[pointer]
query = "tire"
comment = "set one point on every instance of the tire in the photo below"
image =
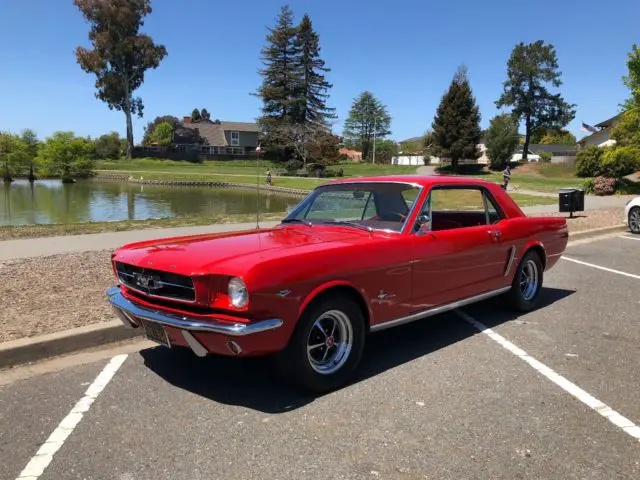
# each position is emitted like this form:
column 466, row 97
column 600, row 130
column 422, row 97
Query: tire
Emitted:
column 524, row 297
column 315, row 328
column 634, row 220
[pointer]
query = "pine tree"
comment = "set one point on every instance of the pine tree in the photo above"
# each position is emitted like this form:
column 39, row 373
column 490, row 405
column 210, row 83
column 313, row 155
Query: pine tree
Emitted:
column 311, row 92
column 368, row 116
column 195, row 115
column 280, row 75
column 530, row 69
column 456, row 126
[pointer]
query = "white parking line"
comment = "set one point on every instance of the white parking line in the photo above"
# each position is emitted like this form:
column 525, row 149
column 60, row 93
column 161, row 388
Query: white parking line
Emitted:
column 599, row 267
column 614, row 417
column 41, row 460
column 630, row 238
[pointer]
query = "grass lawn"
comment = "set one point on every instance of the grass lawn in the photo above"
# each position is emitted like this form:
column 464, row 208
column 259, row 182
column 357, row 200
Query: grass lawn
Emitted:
column 542, row 178
column 43, row 230
column 237, row 167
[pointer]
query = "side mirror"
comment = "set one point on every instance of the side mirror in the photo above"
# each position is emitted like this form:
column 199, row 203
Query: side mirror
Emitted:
column 423, row 224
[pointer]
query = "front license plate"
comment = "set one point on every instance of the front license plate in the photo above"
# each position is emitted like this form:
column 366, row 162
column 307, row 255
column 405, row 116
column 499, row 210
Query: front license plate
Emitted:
column 156, row 332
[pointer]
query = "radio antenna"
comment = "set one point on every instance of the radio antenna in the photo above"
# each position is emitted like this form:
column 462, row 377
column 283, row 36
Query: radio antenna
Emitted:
column 258, row 186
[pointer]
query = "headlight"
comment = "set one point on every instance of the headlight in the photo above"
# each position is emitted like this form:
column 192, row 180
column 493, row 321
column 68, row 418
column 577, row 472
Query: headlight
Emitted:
column 238, row 295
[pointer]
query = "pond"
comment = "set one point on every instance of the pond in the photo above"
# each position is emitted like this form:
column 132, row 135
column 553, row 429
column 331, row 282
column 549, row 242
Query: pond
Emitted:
column 49, row 201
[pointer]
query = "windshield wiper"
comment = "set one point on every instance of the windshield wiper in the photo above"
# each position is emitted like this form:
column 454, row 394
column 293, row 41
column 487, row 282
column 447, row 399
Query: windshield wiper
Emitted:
column 297, row 220
column 345, row 222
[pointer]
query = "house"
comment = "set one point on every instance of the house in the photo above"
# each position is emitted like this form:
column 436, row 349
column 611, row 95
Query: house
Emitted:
column 600, row 133
column 216, row 139
column 353, row 155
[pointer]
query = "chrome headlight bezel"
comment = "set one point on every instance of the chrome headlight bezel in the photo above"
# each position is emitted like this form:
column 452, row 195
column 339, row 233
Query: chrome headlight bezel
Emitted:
column 238, row 293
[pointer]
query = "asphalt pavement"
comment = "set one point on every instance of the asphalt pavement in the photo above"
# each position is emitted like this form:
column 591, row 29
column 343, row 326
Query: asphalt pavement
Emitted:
column 482, row 393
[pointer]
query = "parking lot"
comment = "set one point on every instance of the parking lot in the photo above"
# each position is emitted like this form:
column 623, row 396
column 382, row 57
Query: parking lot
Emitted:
column 478, row 393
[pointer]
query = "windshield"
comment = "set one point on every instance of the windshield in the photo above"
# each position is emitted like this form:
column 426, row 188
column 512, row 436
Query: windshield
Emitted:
column 380, row 206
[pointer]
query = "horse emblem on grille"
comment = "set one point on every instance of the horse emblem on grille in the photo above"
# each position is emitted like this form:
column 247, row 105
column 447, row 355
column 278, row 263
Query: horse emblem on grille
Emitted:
column 149, row 282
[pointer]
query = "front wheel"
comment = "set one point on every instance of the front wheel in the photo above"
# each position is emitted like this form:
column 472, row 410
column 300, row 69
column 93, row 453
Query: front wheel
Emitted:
column 326, row 346
column 634, row 220
column 527, row 283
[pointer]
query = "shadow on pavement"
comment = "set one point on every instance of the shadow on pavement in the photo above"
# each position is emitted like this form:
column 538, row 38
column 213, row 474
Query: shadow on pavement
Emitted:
column 255, row 383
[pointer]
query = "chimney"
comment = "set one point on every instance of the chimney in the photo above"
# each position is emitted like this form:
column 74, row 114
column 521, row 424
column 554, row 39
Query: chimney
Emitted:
column 186, row 120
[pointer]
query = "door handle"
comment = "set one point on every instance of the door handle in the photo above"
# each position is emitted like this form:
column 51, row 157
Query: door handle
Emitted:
column 495, row 233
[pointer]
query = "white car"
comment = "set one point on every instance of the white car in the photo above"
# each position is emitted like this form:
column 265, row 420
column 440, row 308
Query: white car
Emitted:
column 632, row 215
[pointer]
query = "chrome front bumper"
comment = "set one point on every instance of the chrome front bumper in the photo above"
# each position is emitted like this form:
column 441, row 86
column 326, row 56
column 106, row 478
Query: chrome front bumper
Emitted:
column 128, row 311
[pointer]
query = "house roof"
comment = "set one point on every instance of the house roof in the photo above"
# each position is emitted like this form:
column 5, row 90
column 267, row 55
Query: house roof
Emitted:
column 241, row 127
column 541, row 147
column 608, row 122
column 211, row 133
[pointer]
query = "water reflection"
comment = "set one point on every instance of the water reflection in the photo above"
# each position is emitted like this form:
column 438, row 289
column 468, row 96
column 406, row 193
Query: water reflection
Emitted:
column 49, row 201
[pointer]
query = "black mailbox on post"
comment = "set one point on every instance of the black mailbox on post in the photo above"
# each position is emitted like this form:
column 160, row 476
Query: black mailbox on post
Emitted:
column 571, row 200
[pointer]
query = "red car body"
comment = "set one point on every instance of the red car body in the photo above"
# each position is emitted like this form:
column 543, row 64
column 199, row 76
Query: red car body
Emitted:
column 394, row 277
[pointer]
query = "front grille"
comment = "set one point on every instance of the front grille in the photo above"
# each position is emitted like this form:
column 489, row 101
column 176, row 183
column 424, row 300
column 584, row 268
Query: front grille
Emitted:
column 156, row 283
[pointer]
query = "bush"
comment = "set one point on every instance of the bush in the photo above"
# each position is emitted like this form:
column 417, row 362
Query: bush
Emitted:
column 330, row 172
column 316, row 169
column 589, row 186
column 293, row 166
column 604, row 186
column 545, row 157
column 618, row 162
column 628, row 187
column 588, row 161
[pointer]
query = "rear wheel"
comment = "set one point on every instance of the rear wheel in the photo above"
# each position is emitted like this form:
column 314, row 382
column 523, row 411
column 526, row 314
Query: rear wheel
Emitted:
column 527, row 282
column 634, row 220
column 326, row 346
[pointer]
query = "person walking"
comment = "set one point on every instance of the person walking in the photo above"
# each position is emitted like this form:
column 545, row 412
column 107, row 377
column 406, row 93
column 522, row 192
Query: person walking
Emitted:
column 506, row 176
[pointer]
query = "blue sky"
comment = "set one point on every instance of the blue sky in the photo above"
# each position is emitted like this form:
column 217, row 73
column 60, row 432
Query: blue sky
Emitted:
column 405, row 52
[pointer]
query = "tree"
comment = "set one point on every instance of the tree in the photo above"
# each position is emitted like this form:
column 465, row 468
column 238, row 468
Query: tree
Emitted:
column 66, row 155
column 303, row 138
column 311, row 93
column 13, row 155
column 163, row 135
column 30, row 141
column 529, row 69
column 120, row 55
column 109, row 146
column 632, row 80
column 501, row 140
column 456, row 126
column 556, row 137
column 148, row 131
column 367, row 117
column 205, row 115
column 195, row 115
column 280, row 75
column 385, row 149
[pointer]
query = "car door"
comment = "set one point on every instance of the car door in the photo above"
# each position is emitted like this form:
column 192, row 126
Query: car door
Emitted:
column 459, row 252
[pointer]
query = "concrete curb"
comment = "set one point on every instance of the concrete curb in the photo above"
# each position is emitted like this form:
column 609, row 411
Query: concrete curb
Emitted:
column 27, row 350
column 595, row 232
column 38, row 348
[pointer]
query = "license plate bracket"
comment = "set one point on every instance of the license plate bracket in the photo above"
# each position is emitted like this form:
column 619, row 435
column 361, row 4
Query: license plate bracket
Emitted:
column 156, row 333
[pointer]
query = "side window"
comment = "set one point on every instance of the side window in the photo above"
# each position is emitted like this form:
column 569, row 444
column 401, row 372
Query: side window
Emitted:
column 451, row 208
column 493, row 214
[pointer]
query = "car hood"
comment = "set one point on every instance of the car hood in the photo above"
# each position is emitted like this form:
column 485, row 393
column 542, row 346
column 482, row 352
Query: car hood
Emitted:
column 235, row 252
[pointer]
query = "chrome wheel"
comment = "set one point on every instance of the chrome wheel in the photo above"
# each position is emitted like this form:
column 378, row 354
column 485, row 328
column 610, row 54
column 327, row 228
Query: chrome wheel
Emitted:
column 634, row 220
column 330, row 342
column 529, row 280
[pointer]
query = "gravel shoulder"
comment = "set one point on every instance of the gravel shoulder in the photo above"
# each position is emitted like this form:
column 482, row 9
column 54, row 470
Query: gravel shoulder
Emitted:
column 48, row 294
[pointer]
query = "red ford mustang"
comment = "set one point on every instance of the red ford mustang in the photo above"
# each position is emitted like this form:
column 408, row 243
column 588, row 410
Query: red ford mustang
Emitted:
column 355, row 256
